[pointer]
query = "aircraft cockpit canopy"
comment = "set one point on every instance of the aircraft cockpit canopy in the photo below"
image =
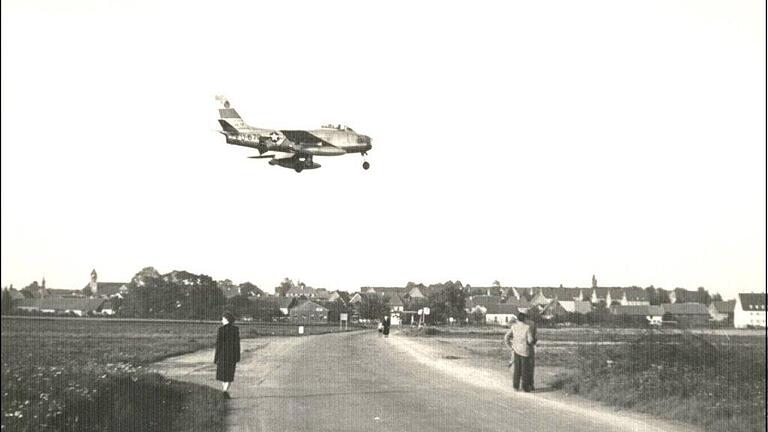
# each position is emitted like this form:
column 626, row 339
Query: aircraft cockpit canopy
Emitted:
column 340, row 127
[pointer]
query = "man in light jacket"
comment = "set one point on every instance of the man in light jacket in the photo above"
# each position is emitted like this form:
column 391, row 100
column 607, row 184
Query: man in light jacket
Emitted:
column 521, row 339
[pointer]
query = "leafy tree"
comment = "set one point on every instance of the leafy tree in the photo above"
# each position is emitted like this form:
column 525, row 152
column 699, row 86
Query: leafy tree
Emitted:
column 178, row 294
column 663, row 296
column 716, row 297
column 205, row 301
column 249, row 289
column 374, row 306
column 702, row 296
column 143, row 275
column 284, row 287
column 241, row 306
column 445, row 301
column 652, row 296
column 6, row 303
column 477, row 317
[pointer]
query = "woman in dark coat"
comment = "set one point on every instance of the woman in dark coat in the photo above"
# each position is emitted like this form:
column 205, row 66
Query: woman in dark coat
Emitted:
column 227, row 351
column 385, row 328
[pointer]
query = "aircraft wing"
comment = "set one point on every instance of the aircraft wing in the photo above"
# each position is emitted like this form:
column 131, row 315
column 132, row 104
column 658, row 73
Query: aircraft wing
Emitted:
column 308, row 144
column 302, row 137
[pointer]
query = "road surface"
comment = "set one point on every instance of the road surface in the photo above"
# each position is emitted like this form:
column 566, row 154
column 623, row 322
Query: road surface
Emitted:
column 360, row 381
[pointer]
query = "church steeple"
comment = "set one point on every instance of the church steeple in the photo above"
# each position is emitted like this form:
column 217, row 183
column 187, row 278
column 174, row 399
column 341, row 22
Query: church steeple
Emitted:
column 94, row 284
column 594, row 282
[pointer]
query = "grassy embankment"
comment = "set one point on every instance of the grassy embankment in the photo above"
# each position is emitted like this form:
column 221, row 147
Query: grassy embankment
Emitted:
column 712, row 380
column 77, row 375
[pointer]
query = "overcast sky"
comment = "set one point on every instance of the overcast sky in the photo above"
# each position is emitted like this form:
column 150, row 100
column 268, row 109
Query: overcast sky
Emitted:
column 534, row 143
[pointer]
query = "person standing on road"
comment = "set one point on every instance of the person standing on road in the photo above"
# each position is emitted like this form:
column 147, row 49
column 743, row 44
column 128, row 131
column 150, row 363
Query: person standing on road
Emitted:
column 227, row 351
column 520, row 339
column 532, row 324
column 386, row 323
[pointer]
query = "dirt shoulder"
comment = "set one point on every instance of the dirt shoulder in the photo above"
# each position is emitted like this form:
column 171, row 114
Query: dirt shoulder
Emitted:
column 460, row 361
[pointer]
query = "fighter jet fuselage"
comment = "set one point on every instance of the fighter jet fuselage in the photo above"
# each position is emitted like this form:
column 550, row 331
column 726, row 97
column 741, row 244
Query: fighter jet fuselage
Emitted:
column 292, row 148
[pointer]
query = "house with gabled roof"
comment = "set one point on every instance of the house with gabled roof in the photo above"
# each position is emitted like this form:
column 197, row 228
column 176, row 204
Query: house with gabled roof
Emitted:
column 340, row 295
column 480, row 302
column 687, row 314
column 322, row 294
column 554, row 310
column 749, row 310
column 421, row 292
column 301, row 290
column 500, row 313
column 650, row 312
column 634, row 296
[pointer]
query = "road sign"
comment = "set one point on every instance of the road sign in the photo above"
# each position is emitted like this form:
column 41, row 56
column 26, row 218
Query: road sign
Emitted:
column 421, row 311
column 301, row 329
column 344, row 317
column 426, row 311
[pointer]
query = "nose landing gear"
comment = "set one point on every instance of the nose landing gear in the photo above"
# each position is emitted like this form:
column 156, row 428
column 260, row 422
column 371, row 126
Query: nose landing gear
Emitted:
column 366, row 165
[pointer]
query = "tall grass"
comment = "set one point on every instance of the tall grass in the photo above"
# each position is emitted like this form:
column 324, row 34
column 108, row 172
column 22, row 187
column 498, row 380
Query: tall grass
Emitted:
column 682, row 377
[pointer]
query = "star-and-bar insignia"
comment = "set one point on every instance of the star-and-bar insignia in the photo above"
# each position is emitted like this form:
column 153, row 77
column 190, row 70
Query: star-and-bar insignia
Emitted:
column 274, row 137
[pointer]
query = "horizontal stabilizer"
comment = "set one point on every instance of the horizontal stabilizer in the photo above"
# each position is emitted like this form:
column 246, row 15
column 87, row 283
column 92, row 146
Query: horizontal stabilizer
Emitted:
column 227, row 126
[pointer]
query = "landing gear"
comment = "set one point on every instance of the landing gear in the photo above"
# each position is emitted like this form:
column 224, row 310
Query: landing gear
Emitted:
column 366, row 165
column 299, row 167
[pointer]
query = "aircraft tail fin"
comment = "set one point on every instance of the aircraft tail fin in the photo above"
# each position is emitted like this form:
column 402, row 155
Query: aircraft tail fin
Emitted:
column 229, row 119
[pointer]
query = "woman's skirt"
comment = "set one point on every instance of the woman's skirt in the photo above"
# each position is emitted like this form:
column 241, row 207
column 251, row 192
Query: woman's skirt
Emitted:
column 225, row 372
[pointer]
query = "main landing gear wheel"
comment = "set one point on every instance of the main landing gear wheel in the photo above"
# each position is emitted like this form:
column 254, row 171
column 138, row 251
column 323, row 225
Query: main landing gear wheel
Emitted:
column 366, row 165
column 298, row 168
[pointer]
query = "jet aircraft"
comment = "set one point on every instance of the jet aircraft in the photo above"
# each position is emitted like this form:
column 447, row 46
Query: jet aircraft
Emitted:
column 294, row 149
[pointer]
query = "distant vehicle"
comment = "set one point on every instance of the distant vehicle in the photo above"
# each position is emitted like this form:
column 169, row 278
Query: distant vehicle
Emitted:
column 294, row 149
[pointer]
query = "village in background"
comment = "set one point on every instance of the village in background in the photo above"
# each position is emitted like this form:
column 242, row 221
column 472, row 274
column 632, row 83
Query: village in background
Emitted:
column 184, row 295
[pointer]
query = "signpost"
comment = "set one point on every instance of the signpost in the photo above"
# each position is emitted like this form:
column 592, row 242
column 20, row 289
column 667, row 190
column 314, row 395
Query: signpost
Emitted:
column 344, row 317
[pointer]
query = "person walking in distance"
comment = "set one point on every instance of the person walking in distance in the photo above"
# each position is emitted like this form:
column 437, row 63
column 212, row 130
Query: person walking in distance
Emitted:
column 227, row 351
column 386, row 324
column 520, row 339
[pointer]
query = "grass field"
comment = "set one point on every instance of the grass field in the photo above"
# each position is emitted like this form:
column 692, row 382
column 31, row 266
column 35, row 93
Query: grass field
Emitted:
column 714, row 379
column 88, row 375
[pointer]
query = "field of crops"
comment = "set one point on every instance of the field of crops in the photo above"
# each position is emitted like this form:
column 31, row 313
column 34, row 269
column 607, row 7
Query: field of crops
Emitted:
column 88, row 374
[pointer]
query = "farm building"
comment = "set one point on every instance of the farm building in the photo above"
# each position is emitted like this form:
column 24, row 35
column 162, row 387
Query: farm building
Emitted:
column 721, row 311
column 308, row 311
column 749, row 310
column 500, row 314
column 71, row 305
column 687, row 314
column 651, row 314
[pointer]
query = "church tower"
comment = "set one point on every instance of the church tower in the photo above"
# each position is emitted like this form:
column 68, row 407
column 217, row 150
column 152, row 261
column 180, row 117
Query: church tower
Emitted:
column 93, row 284
column 594, row 282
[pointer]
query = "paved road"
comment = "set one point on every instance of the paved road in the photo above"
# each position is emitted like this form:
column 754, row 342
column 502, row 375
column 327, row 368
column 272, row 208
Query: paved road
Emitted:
column 360, row 381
